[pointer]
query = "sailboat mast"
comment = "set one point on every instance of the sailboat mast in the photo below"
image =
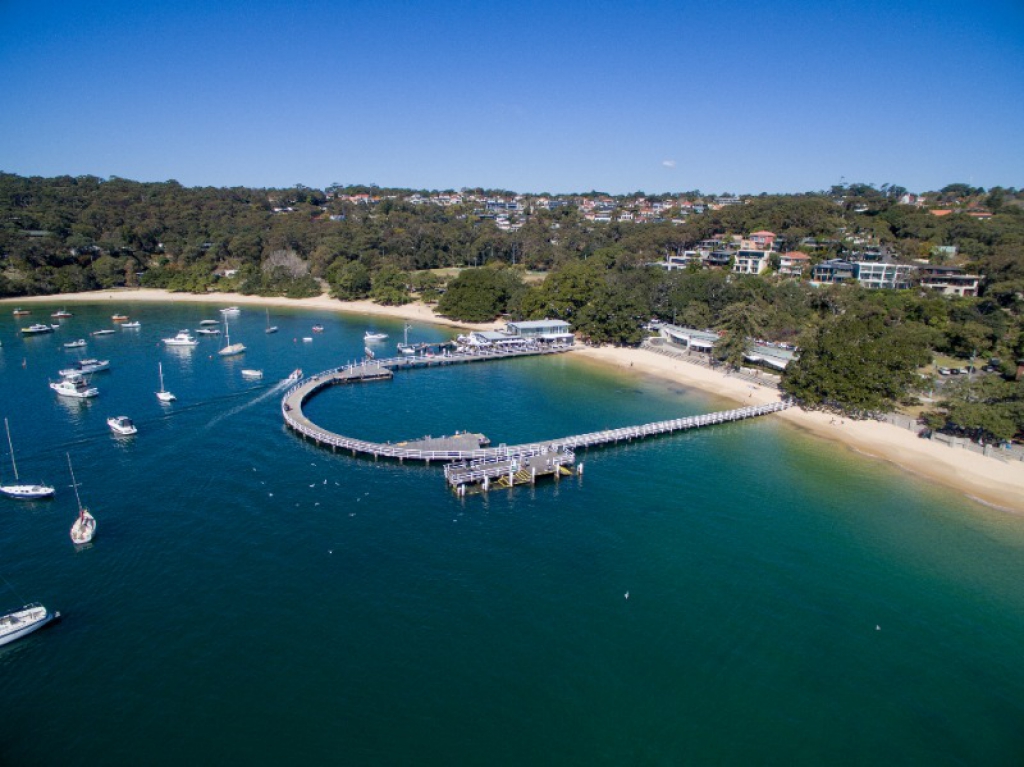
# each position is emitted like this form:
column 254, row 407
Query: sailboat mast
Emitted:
column 227, row 332
column 74, row 484
column 11, row 446
column 160, row 367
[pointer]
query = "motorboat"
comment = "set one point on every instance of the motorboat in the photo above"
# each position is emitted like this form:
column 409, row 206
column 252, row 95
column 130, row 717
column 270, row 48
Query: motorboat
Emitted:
column 163, row 395
column 74, row 386
column 38, row 327
column 84, row 367
column 84, row 529
column 61, row 314
column 231, row 310
column 252, row 375
column 318, row 328
column 20, row 623
column 295, row 375
column 122, row 425
column 55, row 326
column 105, row 332
column 307, row 339
column 20, row 490
column 370, row 336
column 209, row 322
column 208, row 332
column 79, row 344
column 19, row 312
column 229, row 349
column 120, row 318
column 131, row 325
column 183, row 338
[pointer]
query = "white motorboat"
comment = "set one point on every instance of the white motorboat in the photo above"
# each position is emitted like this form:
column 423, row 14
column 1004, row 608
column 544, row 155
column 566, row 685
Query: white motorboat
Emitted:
column 209, row 322
column 252, row 375
column 120, row 318
column 84, row 367
column 163, row 395
column 183, row 338
column 230, row 310
column 18, row 489
column 74, row 386
column 208, row 332
column 19, row 623
column 19, row 312
column 122, row 425
column 80, row 343
column 370, row 336
column 229, row 349
column 105, row 332
column 295, row 375
column 307, row 339
column 61, row 314
column 37, row 328
column 84, row 529
column 131, row 325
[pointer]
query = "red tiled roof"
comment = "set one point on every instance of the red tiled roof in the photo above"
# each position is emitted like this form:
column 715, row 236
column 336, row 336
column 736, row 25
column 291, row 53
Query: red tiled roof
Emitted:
column 940, row 212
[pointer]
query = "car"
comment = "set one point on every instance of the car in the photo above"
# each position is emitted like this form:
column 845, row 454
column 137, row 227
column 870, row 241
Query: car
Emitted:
column 944, row 371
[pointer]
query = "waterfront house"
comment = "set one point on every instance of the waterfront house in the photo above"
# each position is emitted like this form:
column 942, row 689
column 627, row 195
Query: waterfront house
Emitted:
column 542, row 331
column 883, row 275
column 750, row 261
column 949, row 280
column 832, row 272
column 793, row 263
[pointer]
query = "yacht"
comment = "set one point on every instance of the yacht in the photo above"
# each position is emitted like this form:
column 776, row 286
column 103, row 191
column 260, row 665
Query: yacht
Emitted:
column 83, row 367
column 84, row 528
column 61, row 314
column 163, row 395
column 231, row 310
column 208, row 332
column 19, row 490
column 80, row 343
column 252, row 375
column 36, row 328
column 122, row 425
column 19, row 623
column 370, row 336
column 184, row 338
column 229, row 349
column 131, row 325
column 74, row 386
column 209, row 322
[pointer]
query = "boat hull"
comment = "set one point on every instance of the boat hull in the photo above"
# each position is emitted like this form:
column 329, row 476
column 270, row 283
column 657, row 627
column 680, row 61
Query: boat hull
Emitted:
column 84, row 529
column 27, row 492
column 38, row 617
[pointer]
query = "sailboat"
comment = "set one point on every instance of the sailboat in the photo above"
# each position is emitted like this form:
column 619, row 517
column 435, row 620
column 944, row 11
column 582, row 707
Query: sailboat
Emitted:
column 404, row 347
column 18, row 490
column 163, row 395
column 270, row 328
column 85, row 526
column 230, row 349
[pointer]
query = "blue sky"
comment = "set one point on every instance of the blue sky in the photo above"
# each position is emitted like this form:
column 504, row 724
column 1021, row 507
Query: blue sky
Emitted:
column 531, row 96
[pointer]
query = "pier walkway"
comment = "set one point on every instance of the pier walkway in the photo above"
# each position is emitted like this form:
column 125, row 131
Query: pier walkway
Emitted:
column 555, row 452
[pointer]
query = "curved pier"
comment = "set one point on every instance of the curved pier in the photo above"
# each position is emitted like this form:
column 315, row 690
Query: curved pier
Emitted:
column 295, row 398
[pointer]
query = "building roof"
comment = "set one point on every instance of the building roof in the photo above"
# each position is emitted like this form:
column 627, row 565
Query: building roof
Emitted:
column 539, row 324
column 796, row 255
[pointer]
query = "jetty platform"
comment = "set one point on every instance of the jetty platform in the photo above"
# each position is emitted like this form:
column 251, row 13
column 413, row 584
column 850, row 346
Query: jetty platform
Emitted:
column 470, row 461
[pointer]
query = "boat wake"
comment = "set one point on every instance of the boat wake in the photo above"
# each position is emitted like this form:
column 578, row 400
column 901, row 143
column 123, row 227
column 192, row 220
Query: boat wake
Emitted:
column 270, row 392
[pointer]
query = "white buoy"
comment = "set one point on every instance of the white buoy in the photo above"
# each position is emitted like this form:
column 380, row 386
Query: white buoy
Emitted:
column 627, row 595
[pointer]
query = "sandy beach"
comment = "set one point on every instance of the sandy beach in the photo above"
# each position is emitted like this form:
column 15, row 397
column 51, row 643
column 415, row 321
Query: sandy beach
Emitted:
column 986, row 479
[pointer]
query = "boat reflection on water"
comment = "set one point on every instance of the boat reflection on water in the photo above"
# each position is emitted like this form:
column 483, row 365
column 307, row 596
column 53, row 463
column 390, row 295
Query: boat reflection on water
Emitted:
column 75, row 407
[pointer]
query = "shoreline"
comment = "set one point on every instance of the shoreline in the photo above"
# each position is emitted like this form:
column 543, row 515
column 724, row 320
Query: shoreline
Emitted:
column 983, row 479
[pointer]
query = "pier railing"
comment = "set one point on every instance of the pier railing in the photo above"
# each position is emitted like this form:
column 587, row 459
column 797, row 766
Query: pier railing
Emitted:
column 297, row 395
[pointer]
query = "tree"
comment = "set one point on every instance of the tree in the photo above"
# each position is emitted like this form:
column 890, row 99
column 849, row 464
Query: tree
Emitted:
column 480, row 295
column 349, row 281
column 390, row 286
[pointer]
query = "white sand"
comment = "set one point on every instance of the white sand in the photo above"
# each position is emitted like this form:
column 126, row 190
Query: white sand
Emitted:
column 987, row 479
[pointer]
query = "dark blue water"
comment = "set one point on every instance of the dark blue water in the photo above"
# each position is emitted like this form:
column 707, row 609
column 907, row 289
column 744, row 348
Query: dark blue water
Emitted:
column 252, row 598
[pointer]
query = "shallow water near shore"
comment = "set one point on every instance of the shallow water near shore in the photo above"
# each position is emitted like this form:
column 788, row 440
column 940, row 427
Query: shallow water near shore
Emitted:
column 252, row 597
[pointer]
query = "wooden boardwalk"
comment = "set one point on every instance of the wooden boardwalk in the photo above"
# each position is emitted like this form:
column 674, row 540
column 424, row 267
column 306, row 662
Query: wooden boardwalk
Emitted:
column 295, row 398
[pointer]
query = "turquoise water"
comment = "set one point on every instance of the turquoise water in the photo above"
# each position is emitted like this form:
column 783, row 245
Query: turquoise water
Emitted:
column 252, row 598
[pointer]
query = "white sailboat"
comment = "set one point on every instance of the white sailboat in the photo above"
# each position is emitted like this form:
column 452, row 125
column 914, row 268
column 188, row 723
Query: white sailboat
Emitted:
column 84, row 528
column 19, row 623
column 230, row 349
column 163, row 395
column 19, row 490
column 404, row 347
column 270, row 328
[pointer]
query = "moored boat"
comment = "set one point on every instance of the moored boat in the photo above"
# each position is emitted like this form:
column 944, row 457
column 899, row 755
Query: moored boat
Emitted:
column 75, row 344
column 370, row 336
column 19, row 312
column 84, row 528
column 74, row 386
column 163, row 395
column 131, row 325
column 318, row 328
column 19, row 489
column 252, row 375
column 61, row 314
column 120, row 318
column 229, row 349
column 19, row 623
column 104, row 332
column 270, row 328
column 208, row 332
column 209, row 322
column 84, row 367
column 231, row 310
column 38, row 327
column 183, row 338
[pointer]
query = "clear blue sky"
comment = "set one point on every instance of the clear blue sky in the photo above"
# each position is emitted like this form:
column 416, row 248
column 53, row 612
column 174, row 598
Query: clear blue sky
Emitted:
column 738, row 96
